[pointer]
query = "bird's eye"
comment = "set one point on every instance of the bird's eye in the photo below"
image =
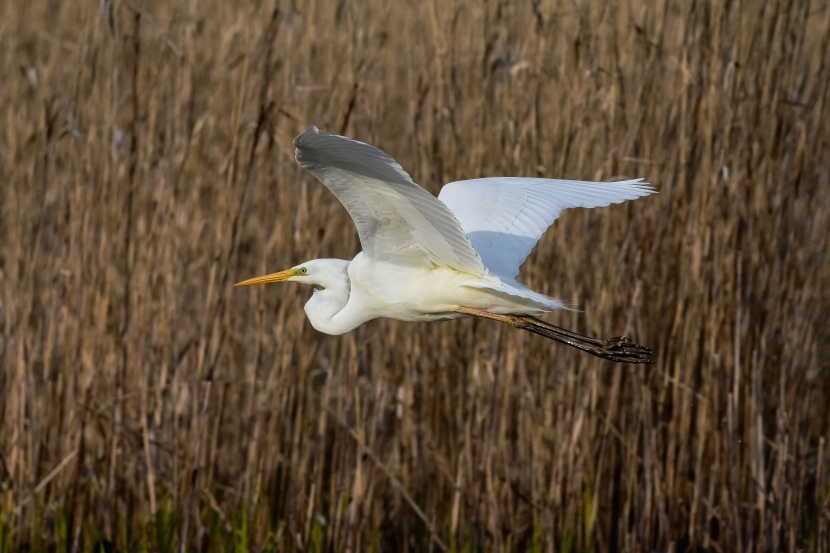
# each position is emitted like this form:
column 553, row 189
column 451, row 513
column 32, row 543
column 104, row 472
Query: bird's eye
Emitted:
column 302, row 271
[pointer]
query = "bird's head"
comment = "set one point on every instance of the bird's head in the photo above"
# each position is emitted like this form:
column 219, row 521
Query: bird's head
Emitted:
column 317, row 271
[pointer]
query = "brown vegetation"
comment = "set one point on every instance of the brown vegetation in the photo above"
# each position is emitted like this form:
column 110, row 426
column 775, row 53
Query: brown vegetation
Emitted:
column 146, row 165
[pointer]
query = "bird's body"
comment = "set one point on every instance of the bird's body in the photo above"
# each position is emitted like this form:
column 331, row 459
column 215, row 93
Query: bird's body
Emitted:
column 360, row 292
column 426, row 258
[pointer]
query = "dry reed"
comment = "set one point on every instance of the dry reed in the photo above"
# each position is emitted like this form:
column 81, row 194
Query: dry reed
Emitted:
column 146, row 165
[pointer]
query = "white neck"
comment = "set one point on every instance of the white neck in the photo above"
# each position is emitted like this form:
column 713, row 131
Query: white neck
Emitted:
column 330, row 298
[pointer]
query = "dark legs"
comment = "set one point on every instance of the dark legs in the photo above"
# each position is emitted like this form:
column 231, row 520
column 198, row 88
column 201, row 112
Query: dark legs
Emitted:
column 618, row 349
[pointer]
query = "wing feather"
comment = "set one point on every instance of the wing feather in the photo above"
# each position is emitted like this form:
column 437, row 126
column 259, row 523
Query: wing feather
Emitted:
column 504, row 217
column 395, row 218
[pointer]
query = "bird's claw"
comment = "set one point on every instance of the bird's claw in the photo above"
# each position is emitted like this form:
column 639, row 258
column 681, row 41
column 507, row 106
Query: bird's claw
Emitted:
column 618, row 342
column 620, row 348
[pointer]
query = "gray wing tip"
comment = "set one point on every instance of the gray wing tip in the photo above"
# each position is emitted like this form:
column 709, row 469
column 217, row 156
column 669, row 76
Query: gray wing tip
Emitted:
column 303, row 137
column 316, row 149
column 305, row 143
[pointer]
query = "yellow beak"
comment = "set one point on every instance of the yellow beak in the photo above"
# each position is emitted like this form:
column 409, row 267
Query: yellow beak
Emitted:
column 265, row 279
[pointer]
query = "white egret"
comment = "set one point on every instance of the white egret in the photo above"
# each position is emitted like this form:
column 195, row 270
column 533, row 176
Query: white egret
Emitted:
column 429, row 259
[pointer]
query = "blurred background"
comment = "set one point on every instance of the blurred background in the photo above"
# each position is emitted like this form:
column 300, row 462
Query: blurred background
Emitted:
column 146, row 165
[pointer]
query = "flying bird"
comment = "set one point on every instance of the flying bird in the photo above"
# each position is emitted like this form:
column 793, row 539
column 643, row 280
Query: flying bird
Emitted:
column 430, row 259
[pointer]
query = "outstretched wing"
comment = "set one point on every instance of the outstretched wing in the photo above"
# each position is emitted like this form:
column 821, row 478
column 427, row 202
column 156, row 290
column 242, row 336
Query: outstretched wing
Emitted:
column 396, row 219
column 504, row 217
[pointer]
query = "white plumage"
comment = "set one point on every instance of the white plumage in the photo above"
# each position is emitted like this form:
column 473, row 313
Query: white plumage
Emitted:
column 426, row 258
column 396, row 219
column 504, row 217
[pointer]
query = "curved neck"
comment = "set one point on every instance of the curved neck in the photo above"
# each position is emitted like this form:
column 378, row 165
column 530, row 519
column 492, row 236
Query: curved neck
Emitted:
column 329, row 299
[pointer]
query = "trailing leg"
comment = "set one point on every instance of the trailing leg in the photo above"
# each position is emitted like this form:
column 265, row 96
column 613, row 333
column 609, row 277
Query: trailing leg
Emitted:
column 619, row 349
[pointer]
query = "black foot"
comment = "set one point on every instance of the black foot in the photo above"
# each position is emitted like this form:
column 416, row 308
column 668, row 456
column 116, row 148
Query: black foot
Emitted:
column 622, row 350
column 619, row 349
